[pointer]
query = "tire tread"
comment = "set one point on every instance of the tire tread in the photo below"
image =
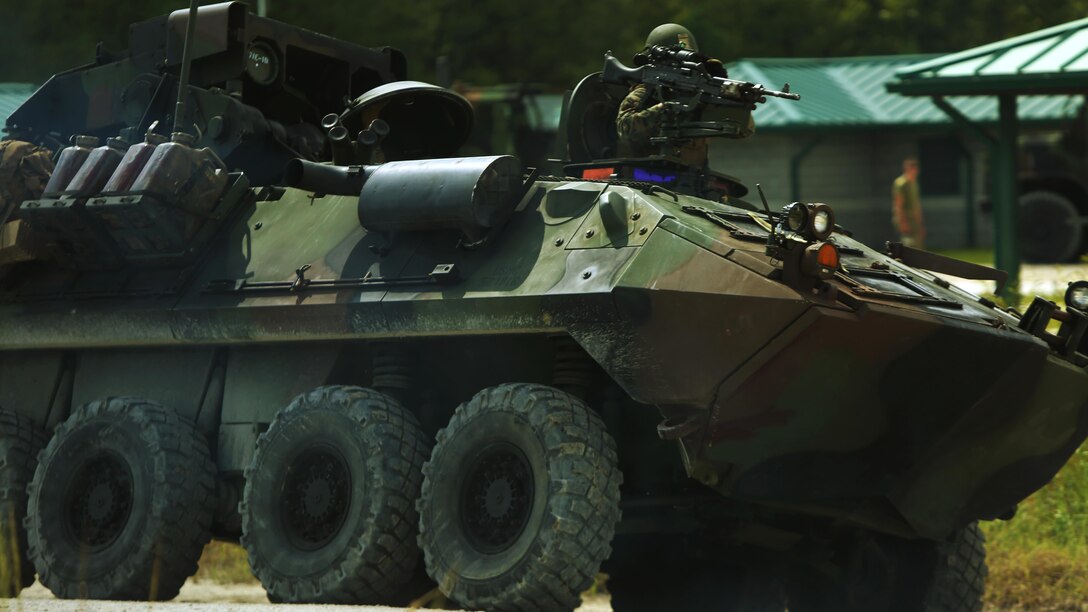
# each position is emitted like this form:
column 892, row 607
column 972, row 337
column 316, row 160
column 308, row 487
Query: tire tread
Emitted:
column 181, row 509
column 583, row 501
column 383, row 560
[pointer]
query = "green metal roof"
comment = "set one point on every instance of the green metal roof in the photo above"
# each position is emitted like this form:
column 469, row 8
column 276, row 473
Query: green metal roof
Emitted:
column 1053, row 60
column 849, row 92
column 11, row 96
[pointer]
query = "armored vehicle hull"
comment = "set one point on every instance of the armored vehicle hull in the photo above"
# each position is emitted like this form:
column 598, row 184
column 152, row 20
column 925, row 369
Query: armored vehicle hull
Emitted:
column 454, row 371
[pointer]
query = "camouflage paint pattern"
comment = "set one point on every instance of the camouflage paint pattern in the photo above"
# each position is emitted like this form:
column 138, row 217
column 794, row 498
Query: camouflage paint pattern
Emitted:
column 883, row 398
column 803, row 402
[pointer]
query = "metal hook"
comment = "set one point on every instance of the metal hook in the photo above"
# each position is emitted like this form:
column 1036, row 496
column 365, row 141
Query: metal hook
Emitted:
column 300, row 278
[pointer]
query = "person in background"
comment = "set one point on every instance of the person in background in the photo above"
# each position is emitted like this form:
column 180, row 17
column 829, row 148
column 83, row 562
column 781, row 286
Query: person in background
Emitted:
column 907, row 206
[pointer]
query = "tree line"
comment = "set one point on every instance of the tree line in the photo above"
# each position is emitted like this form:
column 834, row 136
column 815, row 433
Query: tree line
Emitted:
column 552, row 42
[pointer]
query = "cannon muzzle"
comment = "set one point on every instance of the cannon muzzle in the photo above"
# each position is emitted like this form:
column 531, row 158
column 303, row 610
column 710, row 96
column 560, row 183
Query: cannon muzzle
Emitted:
column 324, row 178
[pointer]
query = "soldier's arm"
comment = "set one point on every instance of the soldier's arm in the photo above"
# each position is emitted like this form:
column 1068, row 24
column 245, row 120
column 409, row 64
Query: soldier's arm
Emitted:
column 632, row 114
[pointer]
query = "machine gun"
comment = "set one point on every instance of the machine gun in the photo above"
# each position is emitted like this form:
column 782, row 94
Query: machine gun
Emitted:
column 687, row 72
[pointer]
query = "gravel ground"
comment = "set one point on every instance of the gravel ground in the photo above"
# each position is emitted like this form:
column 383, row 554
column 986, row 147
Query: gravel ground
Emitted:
column 205, row 597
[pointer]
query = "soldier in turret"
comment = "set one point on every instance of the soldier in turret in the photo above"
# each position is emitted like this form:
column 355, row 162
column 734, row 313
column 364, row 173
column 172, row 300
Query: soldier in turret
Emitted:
column 640, row 117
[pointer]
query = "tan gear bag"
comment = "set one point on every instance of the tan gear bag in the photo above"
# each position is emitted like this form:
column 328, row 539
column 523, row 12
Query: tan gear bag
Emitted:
column 24, row 170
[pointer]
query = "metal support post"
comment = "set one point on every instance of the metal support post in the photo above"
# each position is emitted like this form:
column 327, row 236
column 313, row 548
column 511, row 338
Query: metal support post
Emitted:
column 795, row 166
column 1006, row 207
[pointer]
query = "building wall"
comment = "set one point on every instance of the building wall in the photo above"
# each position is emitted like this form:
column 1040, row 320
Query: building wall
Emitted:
column 853, row 172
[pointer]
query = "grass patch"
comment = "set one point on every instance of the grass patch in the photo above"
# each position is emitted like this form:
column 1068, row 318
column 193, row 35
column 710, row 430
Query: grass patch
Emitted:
column 1039, row 560
column 224, row 563
column 984, row 257
column 1037, row 579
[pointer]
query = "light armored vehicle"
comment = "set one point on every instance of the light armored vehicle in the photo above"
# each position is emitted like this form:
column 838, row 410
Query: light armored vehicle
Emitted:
column 407, row 369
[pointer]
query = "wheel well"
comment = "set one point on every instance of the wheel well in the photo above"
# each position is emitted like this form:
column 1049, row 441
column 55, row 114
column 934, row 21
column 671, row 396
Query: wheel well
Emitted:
column 432, row 376
column 1066, row 185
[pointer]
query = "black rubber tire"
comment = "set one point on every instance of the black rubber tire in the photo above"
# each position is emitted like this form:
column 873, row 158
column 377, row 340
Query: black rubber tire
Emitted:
column 887, row 573
column 143, row 471
column 959, row 579
column 1051, row 230
column 20, row 442
column 545, row 470
column 352, row 539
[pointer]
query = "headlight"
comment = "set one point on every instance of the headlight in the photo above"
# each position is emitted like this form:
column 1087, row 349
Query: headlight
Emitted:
column 796, row 216
column 822, row 221
column 1076, row 296
column 811, row 221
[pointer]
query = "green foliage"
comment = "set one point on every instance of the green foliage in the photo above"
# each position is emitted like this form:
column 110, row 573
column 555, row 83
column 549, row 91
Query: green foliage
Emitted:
column 45, row 37
column 983, row 257
column 1057, row 515
column 1038, row 578
column 555, row 42
column 1039, row 560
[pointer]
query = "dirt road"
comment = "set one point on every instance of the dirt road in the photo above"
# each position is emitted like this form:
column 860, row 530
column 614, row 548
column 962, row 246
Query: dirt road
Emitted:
column 204, row 597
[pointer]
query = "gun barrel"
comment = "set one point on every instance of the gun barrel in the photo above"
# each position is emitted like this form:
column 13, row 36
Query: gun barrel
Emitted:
column 782, row 94
column 324, row 178
column 712, row 90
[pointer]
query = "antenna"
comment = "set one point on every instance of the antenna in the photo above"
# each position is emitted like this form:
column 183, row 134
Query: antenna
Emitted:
column 766, row 206
column 770, row 220
column 186, row 61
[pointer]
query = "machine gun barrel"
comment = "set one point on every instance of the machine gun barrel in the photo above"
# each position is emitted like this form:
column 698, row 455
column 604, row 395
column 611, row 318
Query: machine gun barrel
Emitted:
column 760, row 90
column 685, row 76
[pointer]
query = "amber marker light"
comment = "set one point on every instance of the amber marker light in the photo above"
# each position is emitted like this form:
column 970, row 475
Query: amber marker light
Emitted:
column 828, row 256
column 820, row 260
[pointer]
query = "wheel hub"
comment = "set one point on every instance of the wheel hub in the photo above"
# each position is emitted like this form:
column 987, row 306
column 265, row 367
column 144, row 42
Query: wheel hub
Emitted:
column 316, row 497
column 497, row 497
column 500, row 496
column 99, row 501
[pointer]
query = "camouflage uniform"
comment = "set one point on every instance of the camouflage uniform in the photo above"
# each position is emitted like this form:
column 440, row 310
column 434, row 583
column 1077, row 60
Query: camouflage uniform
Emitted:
column 907, row 214
column 24, row 171
column 637, row 122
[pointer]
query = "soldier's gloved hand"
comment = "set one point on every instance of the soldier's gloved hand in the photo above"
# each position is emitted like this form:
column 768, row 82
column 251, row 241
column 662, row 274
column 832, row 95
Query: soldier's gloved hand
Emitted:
column 673, row 107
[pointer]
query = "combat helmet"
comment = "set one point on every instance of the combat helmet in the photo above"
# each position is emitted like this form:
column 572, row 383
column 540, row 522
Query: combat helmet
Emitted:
column 671, row 35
